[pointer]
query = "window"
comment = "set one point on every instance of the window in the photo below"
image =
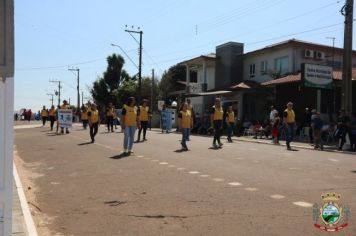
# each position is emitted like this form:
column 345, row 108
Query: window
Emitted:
column 252, row 70
column 263, row 67
column 282, row 65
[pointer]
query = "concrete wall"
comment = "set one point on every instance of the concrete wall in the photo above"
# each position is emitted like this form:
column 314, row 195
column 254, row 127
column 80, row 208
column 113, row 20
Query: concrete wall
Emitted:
column 228, row 64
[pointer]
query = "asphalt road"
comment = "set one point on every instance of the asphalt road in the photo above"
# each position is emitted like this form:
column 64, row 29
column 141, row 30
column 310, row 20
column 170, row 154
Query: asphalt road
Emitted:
column 77, row 188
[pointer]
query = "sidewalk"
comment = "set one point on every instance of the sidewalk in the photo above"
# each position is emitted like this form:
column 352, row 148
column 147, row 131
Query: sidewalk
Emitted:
column 18, row 221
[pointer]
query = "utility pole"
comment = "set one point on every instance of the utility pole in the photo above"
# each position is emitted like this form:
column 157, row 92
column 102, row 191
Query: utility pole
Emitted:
column 51, row 94
column 152, row 87
column 139, row 61
column 59, row 90
column 78, row 94
column 346, row 93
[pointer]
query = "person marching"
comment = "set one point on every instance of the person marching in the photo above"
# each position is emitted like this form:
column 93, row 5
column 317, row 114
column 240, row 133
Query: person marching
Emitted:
column 65, row 105
column 185, row 124
column 110, row 117
column 94, row 121
column 289, row 123
column 52, row 116
column 44, row 115
column 115, row 121
column 230, row 121
column 216, row 119
column 191, row 110
column 144, row 113
column 84, row 116
column 130, row 122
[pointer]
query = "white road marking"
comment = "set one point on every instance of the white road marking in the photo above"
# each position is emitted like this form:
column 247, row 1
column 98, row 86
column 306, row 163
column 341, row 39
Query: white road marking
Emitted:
column 194, row 172
column 277, row 196
column 55, row 183
column 251, row 189
column 181, row 168
column 204, row 176
column 334, row 160
column 303, row 204
column 163, row 163
column 235, row 184
column 218, row 180
column 140, row 156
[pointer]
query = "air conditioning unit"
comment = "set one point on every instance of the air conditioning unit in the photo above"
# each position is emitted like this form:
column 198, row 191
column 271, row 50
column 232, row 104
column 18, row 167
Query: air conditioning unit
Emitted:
column 308, row 53
column 319, row 55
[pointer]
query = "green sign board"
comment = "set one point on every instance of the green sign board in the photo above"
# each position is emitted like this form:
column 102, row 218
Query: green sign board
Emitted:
column 317, row 76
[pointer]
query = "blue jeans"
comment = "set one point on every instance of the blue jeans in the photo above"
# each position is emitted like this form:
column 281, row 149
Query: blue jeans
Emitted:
column 230, row 129
column 289, row 133
column 129, row 135
column 185, row 135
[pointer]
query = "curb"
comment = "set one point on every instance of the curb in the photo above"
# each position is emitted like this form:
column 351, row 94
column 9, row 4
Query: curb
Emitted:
column 30, row 225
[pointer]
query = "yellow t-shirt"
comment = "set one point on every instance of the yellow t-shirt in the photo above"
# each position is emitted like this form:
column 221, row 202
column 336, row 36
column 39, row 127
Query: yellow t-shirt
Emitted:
column 185, row 117
column 143, row 113
column 218, row 113
column 84, row 115
column 290, row 118
column 94, row 116
column 52, row 112
column 130, row 115
column 230, row 117
column 44, row 113
column 110, row 112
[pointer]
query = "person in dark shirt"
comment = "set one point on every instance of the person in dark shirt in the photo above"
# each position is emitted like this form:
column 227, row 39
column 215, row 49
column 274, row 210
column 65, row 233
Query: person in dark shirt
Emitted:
column 343, row 122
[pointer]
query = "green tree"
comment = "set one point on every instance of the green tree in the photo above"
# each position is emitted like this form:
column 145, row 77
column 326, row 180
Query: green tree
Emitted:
column 169, row 82
column 105, row 88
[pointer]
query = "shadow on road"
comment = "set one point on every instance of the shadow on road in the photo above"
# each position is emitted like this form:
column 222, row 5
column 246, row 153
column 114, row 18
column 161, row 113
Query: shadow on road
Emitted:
column 53, row 134
column 120, row 156
column 353, row 171
column 85, row 143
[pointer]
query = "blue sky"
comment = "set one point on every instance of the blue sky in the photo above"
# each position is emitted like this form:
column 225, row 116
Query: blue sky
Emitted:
column 54, row 35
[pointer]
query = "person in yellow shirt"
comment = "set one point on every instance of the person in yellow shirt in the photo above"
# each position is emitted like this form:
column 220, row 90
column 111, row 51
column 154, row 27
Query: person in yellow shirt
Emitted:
column 191, row 110
column 110, row 117
column 185, row 124
column 94, row 121
column 52, row 116
column 289, row 123
column 144, row 112
column 44, row 115
column 84, row 116
column 230, row 121
column 216, row 119
column 130, row 122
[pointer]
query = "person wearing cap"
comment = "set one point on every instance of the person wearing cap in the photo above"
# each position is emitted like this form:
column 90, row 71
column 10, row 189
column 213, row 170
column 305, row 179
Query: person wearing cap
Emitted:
column 94, row 121
column 65, row 105
column 130, row 122
column 289, row 123
column 216, row 119
column 144, row 112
